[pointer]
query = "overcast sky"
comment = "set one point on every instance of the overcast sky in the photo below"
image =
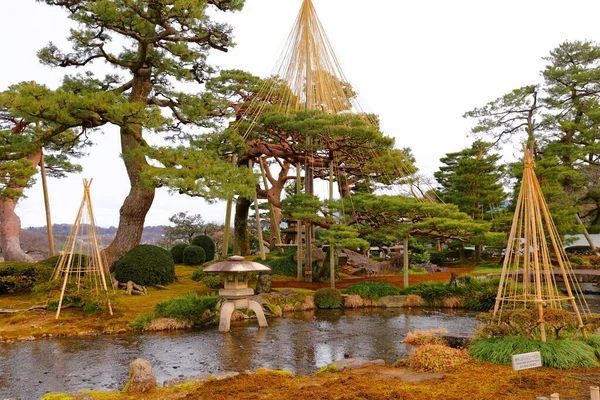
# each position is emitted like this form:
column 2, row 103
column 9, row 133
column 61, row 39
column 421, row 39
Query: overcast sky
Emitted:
column 419, row 65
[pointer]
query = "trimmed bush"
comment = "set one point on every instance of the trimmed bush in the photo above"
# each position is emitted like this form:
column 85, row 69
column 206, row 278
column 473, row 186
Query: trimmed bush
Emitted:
column 146, row 265
column 372, row 290
column 177, row 252
column 19, row 276
column 193, row 255
column 328, row 298
column 563, row 354
column 207, row 244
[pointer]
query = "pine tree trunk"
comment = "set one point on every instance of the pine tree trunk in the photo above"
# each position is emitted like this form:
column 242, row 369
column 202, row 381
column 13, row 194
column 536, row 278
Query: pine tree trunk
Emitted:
column 10, row 223
column 10, row 231
column 241, row 238
column 141, row 194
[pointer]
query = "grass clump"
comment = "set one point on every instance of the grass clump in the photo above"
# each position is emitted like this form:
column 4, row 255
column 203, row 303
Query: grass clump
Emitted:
column 190, row 310
column 422, row 337
column 562, row 354
column 328, row 298
column 372, row 290
column 434, row 357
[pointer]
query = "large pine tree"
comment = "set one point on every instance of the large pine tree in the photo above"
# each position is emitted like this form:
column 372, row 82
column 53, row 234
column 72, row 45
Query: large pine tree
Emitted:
column 152, row 47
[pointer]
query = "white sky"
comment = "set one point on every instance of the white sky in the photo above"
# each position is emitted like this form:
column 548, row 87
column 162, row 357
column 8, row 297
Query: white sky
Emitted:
column 419, row 65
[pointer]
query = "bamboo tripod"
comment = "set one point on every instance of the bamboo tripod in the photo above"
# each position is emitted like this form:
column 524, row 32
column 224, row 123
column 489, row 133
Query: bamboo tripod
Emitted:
column 83, row 240
column 528, row 256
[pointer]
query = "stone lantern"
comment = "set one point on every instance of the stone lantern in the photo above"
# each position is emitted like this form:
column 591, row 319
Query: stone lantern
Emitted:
column 236, row 293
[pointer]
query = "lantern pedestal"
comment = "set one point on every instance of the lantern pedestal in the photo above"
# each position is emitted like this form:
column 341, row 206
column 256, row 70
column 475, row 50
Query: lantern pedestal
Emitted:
column 236, row 293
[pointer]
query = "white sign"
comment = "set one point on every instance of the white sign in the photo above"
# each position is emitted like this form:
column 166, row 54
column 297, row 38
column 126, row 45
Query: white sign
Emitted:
column 526, row 360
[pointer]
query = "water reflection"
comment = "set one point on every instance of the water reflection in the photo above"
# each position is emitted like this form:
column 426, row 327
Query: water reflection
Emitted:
column 300, row 343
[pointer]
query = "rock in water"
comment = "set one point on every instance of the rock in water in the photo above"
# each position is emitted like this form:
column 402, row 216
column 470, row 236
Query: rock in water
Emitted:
column 141, row 377
column 264, row 284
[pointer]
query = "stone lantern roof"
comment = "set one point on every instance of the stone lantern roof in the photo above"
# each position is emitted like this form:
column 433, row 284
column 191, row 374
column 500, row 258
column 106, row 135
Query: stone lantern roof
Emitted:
column 236, row 264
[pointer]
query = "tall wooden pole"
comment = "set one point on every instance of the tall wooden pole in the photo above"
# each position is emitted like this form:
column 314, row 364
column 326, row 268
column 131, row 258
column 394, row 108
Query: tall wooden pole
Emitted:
column 308, row 177
column 261, row 245
column 227, row 226
column 405, row 261
column 47, row 206
column 331, row 244
column 299, row 229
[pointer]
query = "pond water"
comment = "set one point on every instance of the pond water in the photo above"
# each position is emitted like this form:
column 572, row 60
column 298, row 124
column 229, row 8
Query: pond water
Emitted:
column 300, row 343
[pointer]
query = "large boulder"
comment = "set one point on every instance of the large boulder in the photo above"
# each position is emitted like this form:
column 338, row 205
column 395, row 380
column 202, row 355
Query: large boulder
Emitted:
column 141, row 377
column 358, row 264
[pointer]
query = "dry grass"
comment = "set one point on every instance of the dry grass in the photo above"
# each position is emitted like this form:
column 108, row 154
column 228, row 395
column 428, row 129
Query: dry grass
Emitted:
column 167, row 324
column 414, row 300
column 453, row 302
column 76, row 322
column 353, row 301
column 429, row 336
column 433, row 357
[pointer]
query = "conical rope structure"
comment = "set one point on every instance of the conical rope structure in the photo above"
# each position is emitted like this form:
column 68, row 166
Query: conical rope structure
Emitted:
column 535, row 257
column 308, row 76
column 81, row 264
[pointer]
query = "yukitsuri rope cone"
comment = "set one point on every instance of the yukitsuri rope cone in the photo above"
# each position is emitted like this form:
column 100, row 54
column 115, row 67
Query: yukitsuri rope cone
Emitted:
column 533, row 239
column 92, row 275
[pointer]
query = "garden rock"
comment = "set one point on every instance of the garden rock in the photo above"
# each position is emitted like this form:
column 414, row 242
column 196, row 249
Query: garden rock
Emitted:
column 141, row 377
column 264, row 284
column 392, row 301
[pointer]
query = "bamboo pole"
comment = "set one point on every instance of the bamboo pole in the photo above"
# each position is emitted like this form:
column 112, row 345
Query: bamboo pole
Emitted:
column 47, row 206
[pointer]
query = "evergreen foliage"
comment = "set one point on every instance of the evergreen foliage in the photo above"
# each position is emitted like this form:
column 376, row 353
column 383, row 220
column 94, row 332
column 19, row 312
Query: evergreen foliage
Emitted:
column 19, row 276
column 146, row 265
column 177, row 252
column 328, row 298
column 193, row 255
column 207, row 244
column 372, row 290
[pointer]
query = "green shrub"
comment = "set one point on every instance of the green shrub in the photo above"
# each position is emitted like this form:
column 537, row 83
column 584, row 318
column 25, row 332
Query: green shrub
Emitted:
column 416, row 271
column 561, row 354
column 372, row 290
column 328, row 298
column 190, row 308
column 19, row 276
column 212, row 281
column 193, row 255
column 146, row 265
column 284, row 265
column 177, row 252
column 207, row 244
column 438, row 257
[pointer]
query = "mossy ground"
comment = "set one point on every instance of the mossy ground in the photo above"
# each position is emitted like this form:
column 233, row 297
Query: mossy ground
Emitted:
column 75, row 322
column 474, row 380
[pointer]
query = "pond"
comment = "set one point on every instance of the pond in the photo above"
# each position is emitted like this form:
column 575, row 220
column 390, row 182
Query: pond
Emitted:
column 300, row 343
